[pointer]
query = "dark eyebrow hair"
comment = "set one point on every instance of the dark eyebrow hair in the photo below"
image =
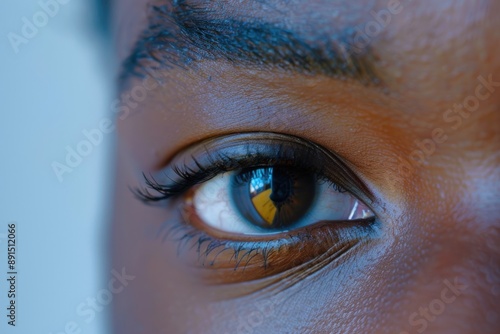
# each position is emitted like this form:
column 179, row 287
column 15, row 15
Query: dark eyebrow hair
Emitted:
column 181, row 34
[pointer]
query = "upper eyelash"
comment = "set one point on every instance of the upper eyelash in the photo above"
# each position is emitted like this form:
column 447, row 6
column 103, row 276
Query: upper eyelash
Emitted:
column 188, row 177
column 250, row 149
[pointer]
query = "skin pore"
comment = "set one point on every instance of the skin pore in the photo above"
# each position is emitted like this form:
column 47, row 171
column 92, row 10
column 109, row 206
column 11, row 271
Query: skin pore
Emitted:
column 411, row 108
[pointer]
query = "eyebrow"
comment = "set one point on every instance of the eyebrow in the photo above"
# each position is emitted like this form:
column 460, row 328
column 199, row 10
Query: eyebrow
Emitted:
column 181, row 34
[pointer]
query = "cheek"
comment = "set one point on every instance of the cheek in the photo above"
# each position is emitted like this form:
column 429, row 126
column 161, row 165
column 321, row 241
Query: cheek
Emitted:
column 330, row 301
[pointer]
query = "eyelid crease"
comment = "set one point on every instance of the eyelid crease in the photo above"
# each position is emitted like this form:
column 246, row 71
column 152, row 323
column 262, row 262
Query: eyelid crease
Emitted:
column 197, row 164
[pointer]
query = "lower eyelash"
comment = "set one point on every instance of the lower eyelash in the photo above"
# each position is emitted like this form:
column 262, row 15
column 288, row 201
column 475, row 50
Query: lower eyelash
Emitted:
column 273, row 276
column 189, row 237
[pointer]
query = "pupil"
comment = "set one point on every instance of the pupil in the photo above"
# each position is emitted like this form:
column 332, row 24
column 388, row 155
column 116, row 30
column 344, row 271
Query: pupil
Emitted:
column 274, row 197
column 281, row 185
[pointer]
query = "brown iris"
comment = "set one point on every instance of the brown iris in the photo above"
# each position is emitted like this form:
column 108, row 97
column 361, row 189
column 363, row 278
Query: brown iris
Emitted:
column 273, row 197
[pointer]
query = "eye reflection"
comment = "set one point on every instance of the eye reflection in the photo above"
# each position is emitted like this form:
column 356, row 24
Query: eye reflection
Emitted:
column 273, row 197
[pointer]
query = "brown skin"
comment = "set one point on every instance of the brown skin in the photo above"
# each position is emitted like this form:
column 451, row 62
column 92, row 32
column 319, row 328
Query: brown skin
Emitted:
column 439, row 222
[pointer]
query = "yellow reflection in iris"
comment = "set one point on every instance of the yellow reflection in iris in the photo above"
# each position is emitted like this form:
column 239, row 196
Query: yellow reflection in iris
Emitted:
column 265, row 206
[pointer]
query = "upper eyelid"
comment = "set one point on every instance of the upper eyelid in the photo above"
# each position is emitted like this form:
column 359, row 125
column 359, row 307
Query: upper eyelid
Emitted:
column 185, row 165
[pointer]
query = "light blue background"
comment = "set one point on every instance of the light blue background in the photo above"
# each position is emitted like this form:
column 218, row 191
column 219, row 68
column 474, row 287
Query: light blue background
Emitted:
column 53, row 89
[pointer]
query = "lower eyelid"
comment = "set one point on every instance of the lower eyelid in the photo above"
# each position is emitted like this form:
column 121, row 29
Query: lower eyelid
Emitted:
column 222, row 261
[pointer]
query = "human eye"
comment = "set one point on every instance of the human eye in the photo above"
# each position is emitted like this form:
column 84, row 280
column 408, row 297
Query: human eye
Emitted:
column 265, row 203
column 272, row 200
